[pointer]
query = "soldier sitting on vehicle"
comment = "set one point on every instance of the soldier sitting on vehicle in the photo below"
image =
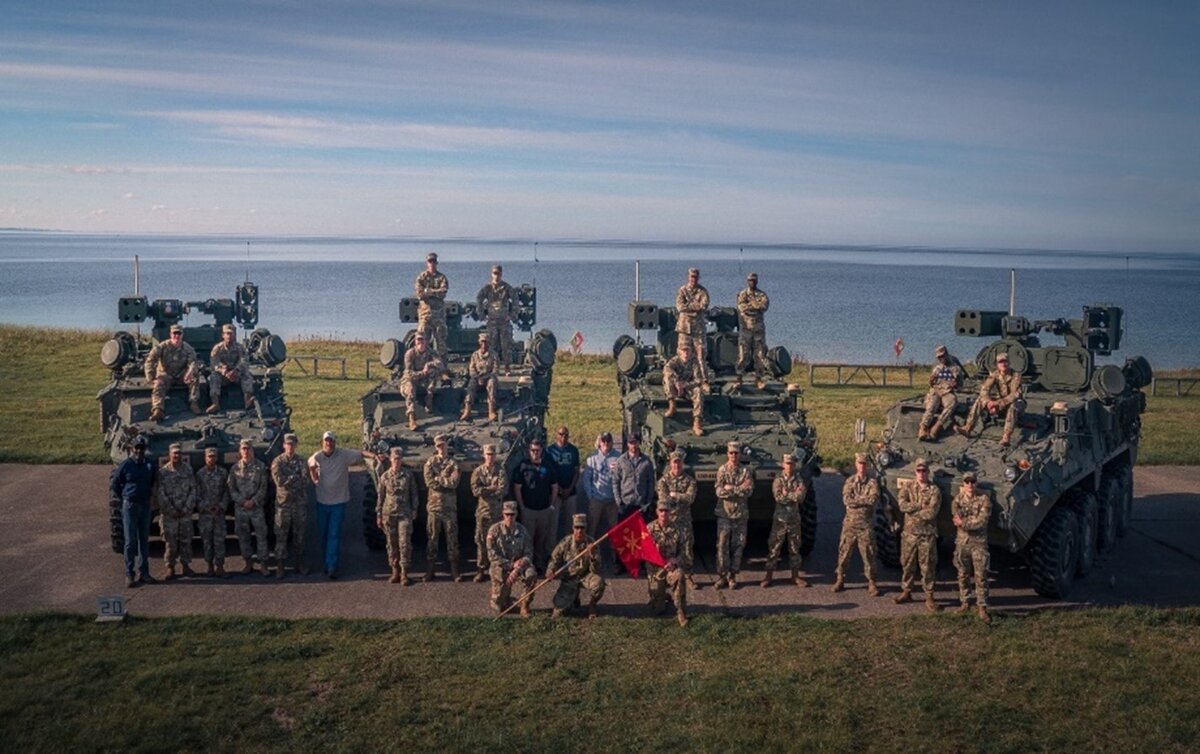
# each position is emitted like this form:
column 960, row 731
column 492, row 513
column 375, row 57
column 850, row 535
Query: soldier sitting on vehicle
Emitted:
column 999, row 393
column 229, row 365
column 944, row 382
column 481, row 372
column 421, row 368
column 683, row 376
column 169, row 362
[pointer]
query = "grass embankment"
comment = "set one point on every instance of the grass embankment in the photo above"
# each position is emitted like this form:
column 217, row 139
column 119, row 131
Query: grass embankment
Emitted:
column 1121, row 680
column 49, row 379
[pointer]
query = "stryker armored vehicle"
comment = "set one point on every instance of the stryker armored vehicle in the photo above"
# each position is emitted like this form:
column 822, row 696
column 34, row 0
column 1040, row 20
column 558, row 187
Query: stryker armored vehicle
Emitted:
column 767, row 422
column 522, row 397
column 125, row 401
column 1063, row 489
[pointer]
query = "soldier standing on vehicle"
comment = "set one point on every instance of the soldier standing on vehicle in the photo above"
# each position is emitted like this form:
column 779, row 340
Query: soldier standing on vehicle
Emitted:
column 421, row 369
column 248, row 488
column 999, row 393
column 481, row 373
column 176, row 503
column 678, row 488
column 431, row 287
column 583, row 573
column 752, row 305
column 683, row 377
column 790, row 490
column 536, row 490
column 290, row 474
column 441, row 506
column 132, row 483
column 397, row 512
column 919, row 501
column 733, row 487
column 691, row 305
column 489, row 484
column 510, row 551
column 660, row 579
column 170, row 362
column 212, row 502
column 633, row 478
column 860, row 495
column 972, row 508
column 496, row 305
column 230, row 365
column 944, row 382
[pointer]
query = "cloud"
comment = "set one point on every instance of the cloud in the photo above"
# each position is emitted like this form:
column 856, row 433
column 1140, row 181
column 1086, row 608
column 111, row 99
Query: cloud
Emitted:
column 129, row 195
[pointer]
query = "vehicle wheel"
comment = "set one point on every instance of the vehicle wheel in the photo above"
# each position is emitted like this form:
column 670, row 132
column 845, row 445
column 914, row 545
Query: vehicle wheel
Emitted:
column 808, row 523
column 887, row 542
column 116, row 526
column 372, row 534
column 1054, row 553
column 1124, row 479
column 1084, row 505
column 1109, row 503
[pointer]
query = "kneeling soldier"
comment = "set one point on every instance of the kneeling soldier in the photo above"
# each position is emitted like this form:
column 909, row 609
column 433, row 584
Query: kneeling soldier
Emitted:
column 583, row 573
column 510, row 550
column 671, row 576
column 972, row 508
column 397, row 511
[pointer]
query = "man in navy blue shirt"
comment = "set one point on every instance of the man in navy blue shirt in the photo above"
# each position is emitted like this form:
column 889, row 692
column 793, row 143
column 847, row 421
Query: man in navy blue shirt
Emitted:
column 565, row 458
column 133, row 484
column 535, row 486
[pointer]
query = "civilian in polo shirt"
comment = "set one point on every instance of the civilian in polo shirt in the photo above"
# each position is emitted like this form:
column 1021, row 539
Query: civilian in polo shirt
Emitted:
column 329, row 469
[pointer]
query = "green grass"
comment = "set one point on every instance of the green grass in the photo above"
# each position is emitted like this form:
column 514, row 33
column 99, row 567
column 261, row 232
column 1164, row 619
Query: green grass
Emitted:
column 1120, row 680
column 49, row 379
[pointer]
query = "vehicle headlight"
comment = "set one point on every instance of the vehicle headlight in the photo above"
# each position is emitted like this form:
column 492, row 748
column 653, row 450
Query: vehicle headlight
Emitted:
column 1010, row 474
column 883, row 459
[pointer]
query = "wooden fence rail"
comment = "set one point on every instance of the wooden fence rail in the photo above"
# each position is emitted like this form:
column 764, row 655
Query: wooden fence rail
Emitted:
column 876, row 375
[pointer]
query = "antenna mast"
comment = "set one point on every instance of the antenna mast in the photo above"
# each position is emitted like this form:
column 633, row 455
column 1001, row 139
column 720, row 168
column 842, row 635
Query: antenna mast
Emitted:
column 1012, row 292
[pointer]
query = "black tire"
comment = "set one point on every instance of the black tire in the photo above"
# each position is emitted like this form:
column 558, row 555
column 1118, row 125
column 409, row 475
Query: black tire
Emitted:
column 1084, row 505
column 1109, row 502
column 116, row 526
column 1054, row 553
column 808, row 523
column 1124, row 478
column 887, row 542
column 372, row 534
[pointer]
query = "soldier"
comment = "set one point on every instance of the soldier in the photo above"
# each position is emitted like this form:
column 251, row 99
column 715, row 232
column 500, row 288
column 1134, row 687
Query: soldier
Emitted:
column 441, row 506
column 583, row 573
column 290, row 473
column 496, row 305
column 691, row 303
column 176, row 503
column 132, row 483
column 733, row 487
column 1005, row 385
column 397, row 512
column 684, row 377
column 170, row 362
column 489, row 483
column 790, row 490
column 510, row 551
column 972, row 508
column 212, row 502
column 679, row 489
column 247, row 484
column 671, row 576
column 944, row 382
column 229, row 365
column 431, row 287
column 421, row 368
column 752, row 304
column 919, row 501
column 481, row 373
column 860, row 495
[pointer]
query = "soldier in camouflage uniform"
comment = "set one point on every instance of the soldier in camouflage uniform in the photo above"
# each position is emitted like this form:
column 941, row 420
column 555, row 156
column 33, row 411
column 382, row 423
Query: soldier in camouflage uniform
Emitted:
column 290, row 473
column 972, row 508
column 170, row 362
column 510, row 551
column 790, row 490
column 671, row 576
column 1005, row 385
column 397, row 512
column 684, row 376
column 733, row 487
column 247, row 484
column 431, row 287
column 176, row 503
column 212, row 500
column 752, row 305
column 481, row 373
column 441, row 506
column 691, row 305
column 944, row 381
column 583, row 573
column 496, row 304
column 679, row 488
column 489, row 483
column 421, row 368
column 860, row 495
column 229, row 364
column 919, row 501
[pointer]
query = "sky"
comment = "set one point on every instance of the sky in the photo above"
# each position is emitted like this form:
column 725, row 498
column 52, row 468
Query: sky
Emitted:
column 1066, row 125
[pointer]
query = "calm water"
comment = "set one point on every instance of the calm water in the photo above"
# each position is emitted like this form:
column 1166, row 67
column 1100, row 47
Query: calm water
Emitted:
column 827, row 304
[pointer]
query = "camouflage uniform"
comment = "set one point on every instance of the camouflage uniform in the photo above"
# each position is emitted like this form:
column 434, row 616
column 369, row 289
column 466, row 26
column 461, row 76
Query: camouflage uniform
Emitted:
column 414, row 380
column 661, row 579
column 1007, row 389
column 684, row 379
column 291, row 504
column 176, row 503
column 441, row 508
column 583, row 574
column 481, row 372
column 213, row 495
column 681, row 492
column 692, row 320
column 431, row 289
column 488, row 487
column 918, row 543
column 789, row 492
column 497, row 304
column 733, row 513
column 860, row 496
column 944, row 381
column 752, row 332
column 167, row 364
column 248, row 481
column 970, row 544
column 398, row 509
column 233, row 358
column 507, row 546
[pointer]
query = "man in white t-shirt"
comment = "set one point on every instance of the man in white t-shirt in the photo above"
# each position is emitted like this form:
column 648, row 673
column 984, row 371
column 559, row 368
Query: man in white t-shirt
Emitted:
column 329, row 469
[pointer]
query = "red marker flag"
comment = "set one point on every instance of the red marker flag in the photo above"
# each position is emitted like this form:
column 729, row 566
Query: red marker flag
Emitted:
column 576, row 342
column 634, row 544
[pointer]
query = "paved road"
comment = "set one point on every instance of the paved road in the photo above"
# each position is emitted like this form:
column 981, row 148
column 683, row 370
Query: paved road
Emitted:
column 55, row 554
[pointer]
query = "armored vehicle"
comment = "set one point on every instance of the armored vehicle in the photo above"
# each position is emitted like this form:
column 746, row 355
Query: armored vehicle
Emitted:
column 522, row 397
column 768, row 422
column 1063, row 488
column 125, row 403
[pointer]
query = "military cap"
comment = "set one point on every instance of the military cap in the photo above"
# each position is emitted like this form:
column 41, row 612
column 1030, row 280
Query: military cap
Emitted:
column 395, row 450
column 789, row 458
column 329, row 435
column 921, row 464
column 246, row 443
column 694, row 271
column 939, row 351
column 419, row 336
column 228, row 328
column 290, row 437
column 210, row 451
column 969, row 477
column 676, row 455
column 174, row 447
column 442, row 439
column 431, row 256
column 139, row 441
column 483, row 337
column 489, row 448
column 636, row 437
column 497, row 268
column 752, row 276
column 579, row 521
column 176, row 327
column 860, row 457
column 508, row 507
column 1001, row 357
column 665, row 505
column 733, row 446
column 605, row 437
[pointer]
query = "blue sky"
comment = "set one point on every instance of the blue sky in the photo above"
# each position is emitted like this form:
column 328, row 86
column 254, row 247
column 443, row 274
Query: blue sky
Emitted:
column 1017, row 124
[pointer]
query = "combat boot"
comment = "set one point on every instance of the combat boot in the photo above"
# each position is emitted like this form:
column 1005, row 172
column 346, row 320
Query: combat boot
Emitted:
column 963, row 429
column 962, row 609
column 872, row 589
column 799, row 580
column 395, row 577
column 670, row 408
column 280, row 571
column 429, row 573
column 556, row 613
column 922, row 434
column 429, row 403
column 983, row 614
column 454, row 574
column 404, row 580
column 247, row 566
column 130, row 582
column 187, row 570
column 169, row 572
column 466, row 413
column 266, row 569
column 721, row 582
column 220, row 571
column 904, row 596
column 691, row 582
column 479, row 576
column 930, row 604
column 682, row 618
column 303, row 567
column 209, row 571
column 766, row 582
column 733, row 581
column 247, row 401
column 838, row 584
column 492, row 414
column 697, row 430
column 412, row 421
column 195, row 407
column 214, row 408
column 156, row 414
column 525, row 612
column 591, row 611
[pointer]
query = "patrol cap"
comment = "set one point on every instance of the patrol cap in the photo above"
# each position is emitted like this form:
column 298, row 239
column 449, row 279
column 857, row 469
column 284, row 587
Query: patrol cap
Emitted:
column 508, row 507
column 1001, row 357
column 328, row 436
column 939, row 351
column 489, row 450
column 483, row 337
column 789, row 457
column 442, row 439
column 176, row 327
column 139, row 441
column 246, row 443
column 676, row 455
column 921, row 464
column 228, row 328
column 497, row 268
column 694, row 271
column 210, row 451
column 733, row 446
column 579, row 521
column 290, row 437
column 636, row 437
column 431, row 256
column 860, row 457
column 419, row 336
column 664, row 505
column 752, row 276
column 174, row 447
column 396, row 450
column 969, row 477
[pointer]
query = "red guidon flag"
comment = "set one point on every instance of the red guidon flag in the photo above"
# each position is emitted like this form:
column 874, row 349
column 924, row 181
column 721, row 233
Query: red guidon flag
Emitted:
column 576, row 342
column 633, row 544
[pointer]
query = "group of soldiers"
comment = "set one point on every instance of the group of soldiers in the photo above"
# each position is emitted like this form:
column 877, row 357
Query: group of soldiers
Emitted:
column 999, row 394
column 174, row 361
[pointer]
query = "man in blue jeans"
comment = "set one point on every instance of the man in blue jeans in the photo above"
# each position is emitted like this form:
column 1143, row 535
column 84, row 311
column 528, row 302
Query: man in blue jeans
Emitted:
column 133, row 484
column 329, row 469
